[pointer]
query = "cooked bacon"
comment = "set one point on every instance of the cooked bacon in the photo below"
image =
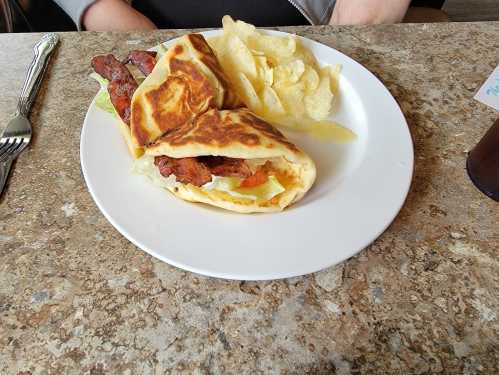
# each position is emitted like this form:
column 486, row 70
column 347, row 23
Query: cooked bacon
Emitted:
column 198, row 171
column 121, row 93
column 226, row 167
column 186, row 170
column 143, row 60
column 121, row 86
column 111, row 68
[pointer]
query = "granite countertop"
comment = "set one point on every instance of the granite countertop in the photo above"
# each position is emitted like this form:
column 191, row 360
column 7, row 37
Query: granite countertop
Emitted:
column 77, row 297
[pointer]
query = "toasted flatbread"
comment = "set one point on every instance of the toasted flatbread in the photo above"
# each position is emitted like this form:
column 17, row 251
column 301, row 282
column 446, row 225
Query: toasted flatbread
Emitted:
column 186, row 82
column 236, row 134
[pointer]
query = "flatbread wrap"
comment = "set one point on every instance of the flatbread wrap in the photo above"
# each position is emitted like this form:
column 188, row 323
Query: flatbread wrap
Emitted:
column 185, row 82
column 230, row 159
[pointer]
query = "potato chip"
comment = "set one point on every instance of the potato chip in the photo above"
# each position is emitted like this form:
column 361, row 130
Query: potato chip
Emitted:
column 321, row 130
column 265, row 74
column 310, row 78
column 216, row 43
column 318, row 104
column 228, row 23
column 271, row 103
column 302, row 53
column 257, row 53
column 247, row 93
column 274, row 47
column 289, row 73
column 292, row 98
column 239, row 56
column 279, row 79
column 330, row 131
column 287, row 121
column 334, row 75
column 242, row 29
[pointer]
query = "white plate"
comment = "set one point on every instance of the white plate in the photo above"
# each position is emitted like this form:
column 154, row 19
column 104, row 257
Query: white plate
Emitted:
column 359, row 190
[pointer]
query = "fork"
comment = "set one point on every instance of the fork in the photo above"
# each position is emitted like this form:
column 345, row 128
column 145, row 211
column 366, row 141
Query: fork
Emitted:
column 17, row 134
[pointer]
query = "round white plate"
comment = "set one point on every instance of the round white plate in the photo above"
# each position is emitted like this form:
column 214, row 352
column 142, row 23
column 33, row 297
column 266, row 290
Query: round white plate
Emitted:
column 359, row 190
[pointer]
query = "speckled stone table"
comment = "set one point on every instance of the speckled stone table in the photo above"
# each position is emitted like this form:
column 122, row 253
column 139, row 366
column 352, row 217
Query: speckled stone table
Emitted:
column 76, row 297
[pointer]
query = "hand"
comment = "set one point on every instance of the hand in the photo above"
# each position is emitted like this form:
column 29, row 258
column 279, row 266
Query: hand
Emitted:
column 366, row 12
column 115, row 15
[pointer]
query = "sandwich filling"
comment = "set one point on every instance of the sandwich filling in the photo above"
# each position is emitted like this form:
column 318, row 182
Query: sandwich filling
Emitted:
column 119, row 81
column 250, row 179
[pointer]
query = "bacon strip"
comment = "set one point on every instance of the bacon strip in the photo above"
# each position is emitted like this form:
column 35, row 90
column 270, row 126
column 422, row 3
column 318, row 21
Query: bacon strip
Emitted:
column 143, row 60
column 121, row 86
column 198, row 171
column 111, row 68
column 121, row 93
column 186, row 170
column 226, row 167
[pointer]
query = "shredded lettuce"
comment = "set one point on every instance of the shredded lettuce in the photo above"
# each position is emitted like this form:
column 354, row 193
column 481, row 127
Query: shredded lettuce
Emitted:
column 264, row 192
column 102, row 100
column 222, row 183
column 145, row 166
column 230, row 185
column 102, row 81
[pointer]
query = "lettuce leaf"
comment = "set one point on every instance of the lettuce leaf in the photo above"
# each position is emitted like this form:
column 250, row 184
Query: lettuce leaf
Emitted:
column 102, row 100
column 230, row 185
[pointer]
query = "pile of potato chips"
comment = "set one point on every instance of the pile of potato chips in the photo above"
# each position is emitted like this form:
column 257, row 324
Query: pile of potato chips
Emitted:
column 278, row 78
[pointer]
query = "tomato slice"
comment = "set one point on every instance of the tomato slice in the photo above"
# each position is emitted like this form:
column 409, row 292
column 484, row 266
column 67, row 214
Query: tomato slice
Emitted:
column 256, row 179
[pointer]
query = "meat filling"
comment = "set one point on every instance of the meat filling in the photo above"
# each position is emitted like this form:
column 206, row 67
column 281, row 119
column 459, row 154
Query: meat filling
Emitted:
column 121, row 86
column 226, row 167
column 111, row 68
column 143, row 60
column 186, row 170
column 120, row 93
column 198, row 171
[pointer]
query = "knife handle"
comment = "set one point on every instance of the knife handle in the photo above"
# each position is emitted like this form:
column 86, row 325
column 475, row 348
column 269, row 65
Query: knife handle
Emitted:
column 42, row 50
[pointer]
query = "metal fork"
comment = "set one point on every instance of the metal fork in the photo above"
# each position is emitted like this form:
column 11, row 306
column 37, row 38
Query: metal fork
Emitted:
column 17, row 134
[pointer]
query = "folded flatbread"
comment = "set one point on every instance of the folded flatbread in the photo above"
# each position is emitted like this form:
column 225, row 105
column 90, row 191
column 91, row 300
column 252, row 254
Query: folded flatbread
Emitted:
column 186, row 82
column 230, row 159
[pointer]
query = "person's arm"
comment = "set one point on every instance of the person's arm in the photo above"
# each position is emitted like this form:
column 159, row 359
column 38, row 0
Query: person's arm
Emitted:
column 365, row 12
column 114, row 15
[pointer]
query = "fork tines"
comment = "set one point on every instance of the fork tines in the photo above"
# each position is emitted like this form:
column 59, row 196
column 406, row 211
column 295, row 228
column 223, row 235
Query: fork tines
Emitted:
column 9, row 147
